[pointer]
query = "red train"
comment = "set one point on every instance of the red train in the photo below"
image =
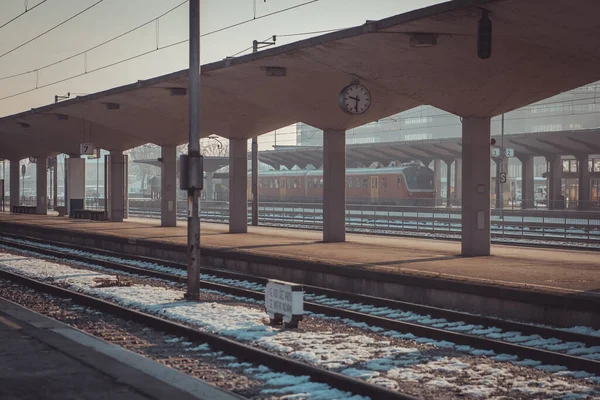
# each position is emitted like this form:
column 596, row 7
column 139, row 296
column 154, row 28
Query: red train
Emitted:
column 405, row 185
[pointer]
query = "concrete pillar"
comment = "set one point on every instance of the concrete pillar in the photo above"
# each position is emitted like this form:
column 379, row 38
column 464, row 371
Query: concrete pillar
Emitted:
column 476, row 186
column 15, row 183
column 168, row 177
column 74, row 184
column 117, row 186
column 448, row 183
column 41, row 186
column 554, row 182
column 209, row 186
column 458, row 181
column 238, row 186
column 437, row 181
column 334, row 186
column 527, row 187
column 584, row 198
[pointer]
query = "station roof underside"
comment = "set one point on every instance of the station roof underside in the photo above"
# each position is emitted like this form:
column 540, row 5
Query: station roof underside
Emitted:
column 562, row 143
column 540, row 48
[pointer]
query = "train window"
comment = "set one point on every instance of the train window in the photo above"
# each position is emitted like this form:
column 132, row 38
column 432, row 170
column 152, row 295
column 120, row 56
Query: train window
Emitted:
column 357, row 183
column 384, row 182
column 349, row 182
column 315, row 182
column 260, row 184
column 399, row 181
column 276, row 183
column 295, row 183
column 365, row 183
column 321, row 183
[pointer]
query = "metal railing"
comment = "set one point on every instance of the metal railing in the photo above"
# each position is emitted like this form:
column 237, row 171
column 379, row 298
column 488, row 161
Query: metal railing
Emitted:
column 506, row 224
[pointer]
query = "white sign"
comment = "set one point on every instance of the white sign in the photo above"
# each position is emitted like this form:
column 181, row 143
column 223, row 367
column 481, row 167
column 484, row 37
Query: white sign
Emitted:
column 507, row 152
column 87, row 149
column 284, row 302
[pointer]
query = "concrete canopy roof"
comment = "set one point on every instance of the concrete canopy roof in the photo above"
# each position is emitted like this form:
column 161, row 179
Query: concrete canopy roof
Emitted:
column 563, row 143
column 540, row 48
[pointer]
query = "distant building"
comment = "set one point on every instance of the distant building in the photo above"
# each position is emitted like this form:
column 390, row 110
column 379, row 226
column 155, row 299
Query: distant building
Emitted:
column 573, row 110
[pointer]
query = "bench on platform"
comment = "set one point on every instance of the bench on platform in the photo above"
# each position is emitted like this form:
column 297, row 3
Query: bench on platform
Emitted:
column 24, row 209
column 94, row 215
column 80, row 214
column 62, row 210
column 97, row 215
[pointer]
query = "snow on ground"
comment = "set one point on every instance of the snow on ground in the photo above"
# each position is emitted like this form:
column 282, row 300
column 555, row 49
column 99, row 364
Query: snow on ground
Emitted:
column 354, row 354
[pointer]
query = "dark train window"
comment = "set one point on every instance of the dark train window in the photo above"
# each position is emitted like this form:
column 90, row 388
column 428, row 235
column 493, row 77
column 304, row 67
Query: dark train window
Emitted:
column 419, row 178
column 365, row 183
column 399, row 181
column 384, row 182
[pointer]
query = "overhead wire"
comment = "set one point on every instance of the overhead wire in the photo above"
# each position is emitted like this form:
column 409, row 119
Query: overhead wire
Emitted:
column 51, row 29
column 138, row 55
column 23, row 13
column 94, row 47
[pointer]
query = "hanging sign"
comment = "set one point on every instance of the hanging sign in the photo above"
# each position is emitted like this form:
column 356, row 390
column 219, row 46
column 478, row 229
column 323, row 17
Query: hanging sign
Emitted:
column 87, row 149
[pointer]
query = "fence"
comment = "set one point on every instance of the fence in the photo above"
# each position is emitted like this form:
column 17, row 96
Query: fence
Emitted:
column 506, row 224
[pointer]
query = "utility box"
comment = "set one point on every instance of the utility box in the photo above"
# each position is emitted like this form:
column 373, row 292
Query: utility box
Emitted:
column 191, row 172
column 284, row 303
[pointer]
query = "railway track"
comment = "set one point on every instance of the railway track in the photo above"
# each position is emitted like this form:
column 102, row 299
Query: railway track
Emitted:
column 478, row 334
column 241, row 351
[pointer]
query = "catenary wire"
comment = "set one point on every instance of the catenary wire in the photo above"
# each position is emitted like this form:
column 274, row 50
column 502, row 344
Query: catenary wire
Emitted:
column 139, row 55
column 94, row 47
column 51, row 29
column 23, row 13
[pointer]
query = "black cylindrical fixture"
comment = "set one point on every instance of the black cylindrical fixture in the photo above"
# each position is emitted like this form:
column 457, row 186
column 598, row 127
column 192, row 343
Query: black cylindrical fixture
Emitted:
column 484, row 36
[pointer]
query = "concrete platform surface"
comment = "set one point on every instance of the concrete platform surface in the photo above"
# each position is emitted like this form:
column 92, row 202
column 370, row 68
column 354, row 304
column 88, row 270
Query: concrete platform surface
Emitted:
column 540, row 269
column 41, row 358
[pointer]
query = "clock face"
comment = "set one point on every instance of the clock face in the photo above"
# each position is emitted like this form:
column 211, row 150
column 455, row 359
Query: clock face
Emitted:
column 355, row 99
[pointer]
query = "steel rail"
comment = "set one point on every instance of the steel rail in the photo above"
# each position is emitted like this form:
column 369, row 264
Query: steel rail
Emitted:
column 242, row 351
column 545, row 356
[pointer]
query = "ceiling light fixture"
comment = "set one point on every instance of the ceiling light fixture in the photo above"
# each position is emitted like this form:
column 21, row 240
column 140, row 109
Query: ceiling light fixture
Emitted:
column 175, row 91
column 112, row 106
column 24, row 124
column 484, row 36
column 423, row 39
column 274, row 71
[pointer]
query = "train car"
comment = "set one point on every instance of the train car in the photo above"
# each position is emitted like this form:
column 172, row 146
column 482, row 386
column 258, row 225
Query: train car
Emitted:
column 405, row 185
column 283, row 185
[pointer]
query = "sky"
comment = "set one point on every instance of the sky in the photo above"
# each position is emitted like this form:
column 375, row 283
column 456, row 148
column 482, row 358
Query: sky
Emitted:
column 110, row 18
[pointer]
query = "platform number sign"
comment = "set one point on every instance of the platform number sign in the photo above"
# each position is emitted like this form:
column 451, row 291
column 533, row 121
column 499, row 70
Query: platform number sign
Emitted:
column 503, row 177
column 87, row 149
column 507, row 152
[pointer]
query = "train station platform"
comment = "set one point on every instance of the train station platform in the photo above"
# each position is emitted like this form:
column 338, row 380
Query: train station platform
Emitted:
column 41, row 358
column 411, row 269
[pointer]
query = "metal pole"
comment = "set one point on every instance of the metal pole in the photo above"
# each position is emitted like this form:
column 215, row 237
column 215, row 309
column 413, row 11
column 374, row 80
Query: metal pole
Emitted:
column 255, row 181
column 502, row 156
column 255, row 166
column 55, row 185
column 193, row 278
